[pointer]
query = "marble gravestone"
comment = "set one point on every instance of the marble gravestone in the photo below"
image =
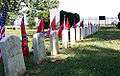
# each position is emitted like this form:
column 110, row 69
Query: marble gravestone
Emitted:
column 78, row 34
column 86, row 31
column 72, row 36
column 89, row 27
column 81, row 33
column 54, row 42
column 65, row 38
column 38, row 47
column 12, row 55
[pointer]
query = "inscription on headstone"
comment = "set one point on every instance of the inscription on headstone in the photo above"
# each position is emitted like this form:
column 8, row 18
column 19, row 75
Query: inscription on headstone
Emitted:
column 77, row 33
column 72, row 36
column 54, row 42
column 81, row 33
column 12, row 56
column 38, row 47
column 65, row 38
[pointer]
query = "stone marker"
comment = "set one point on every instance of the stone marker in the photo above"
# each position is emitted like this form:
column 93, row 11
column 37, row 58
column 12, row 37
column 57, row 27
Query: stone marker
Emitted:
column 65, row 38
column 86, row 31
column 54, row 42
column 77, row 33
column 38, row 47
column 72, row 36
column 89, row 27
column 81, row 33
column 12, row 56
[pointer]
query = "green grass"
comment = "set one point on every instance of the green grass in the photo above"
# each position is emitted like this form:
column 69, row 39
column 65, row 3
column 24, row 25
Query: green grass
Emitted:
column 96, row 55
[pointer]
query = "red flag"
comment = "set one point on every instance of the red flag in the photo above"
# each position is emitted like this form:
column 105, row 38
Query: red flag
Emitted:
column 67, row 25
column 62, row 26
column 25, row 48
column 41, row 25
column 53, row 24
column 60, row 31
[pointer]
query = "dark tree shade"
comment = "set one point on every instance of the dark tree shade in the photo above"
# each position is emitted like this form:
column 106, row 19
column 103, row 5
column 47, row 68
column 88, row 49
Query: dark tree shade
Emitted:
column 119, row 16
column 71, row 17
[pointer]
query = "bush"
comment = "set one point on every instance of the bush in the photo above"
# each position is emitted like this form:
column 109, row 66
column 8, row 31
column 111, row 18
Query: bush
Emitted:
column 71, row 17
column 118, row 25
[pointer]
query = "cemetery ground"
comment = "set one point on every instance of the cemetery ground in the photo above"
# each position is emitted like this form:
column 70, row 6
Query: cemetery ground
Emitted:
column 96, row 55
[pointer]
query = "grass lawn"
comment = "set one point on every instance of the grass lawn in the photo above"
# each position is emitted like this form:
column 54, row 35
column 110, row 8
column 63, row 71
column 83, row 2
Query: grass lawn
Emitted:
column 96, row 55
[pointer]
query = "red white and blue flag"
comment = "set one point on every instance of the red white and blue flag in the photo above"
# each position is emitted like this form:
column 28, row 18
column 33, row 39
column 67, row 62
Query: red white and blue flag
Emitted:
column 3, row 17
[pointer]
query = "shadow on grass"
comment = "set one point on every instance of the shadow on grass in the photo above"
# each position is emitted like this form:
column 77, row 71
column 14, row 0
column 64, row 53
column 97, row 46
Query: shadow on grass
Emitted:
column 107, row 33
column 86, row 62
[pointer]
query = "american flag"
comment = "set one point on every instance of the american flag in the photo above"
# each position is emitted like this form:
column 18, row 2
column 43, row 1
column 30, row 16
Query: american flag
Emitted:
column 3, row 17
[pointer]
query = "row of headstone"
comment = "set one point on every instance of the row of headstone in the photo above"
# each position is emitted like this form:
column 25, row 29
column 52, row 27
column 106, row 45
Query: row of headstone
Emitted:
column 77, row 34
column 13, row 57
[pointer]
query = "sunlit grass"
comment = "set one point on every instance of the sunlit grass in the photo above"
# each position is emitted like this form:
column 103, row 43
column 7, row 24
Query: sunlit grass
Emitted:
column 96, row 55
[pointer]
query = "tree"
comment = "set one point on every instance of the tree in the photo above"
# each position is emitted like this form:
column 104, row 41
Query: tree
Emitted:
column 40, row 8
column 36, row 8
column 70, row 16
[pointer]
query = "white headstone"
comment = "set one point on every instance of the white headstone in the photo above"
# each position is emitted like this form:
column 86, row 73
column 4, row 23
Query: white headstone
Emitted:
column 38, row 47
column 72, row 36
column 12, row 56
column 54, row 42
column 65, row 38
column 78, row 33
column 89, row 28
column 82, row 33
column 86, row 31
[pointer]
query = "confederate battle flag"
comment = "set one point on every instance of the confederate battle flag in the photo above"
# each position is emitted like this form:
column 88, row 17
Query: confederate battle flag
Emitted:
column 25, row 48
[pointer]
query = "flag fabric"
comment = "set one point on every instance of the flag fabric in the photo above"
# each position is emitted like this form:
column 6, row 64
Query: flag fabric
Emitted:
column 3, row 17
column 62, row 26
column 41, row 25
column 53, row 24
column 67, row 25
column 60, row 31
column 25, row 48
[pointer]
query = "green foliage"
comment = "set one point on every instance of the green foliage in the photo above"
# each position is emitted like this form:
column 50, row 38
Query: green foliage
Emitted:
column 71, row 16
column 44, row 14
column 37, row 8
column 40, row 8
column 31, row 22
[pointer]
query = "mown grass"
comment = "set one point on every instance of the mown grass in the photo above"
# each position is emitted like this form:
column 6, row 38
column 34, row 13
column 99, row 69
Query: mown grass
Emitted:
column 96, row 55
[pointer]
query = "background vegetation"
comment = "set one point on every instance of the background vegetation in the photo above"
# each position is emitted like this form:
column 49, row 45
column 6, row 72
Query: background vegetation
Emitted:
column 37, row 8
